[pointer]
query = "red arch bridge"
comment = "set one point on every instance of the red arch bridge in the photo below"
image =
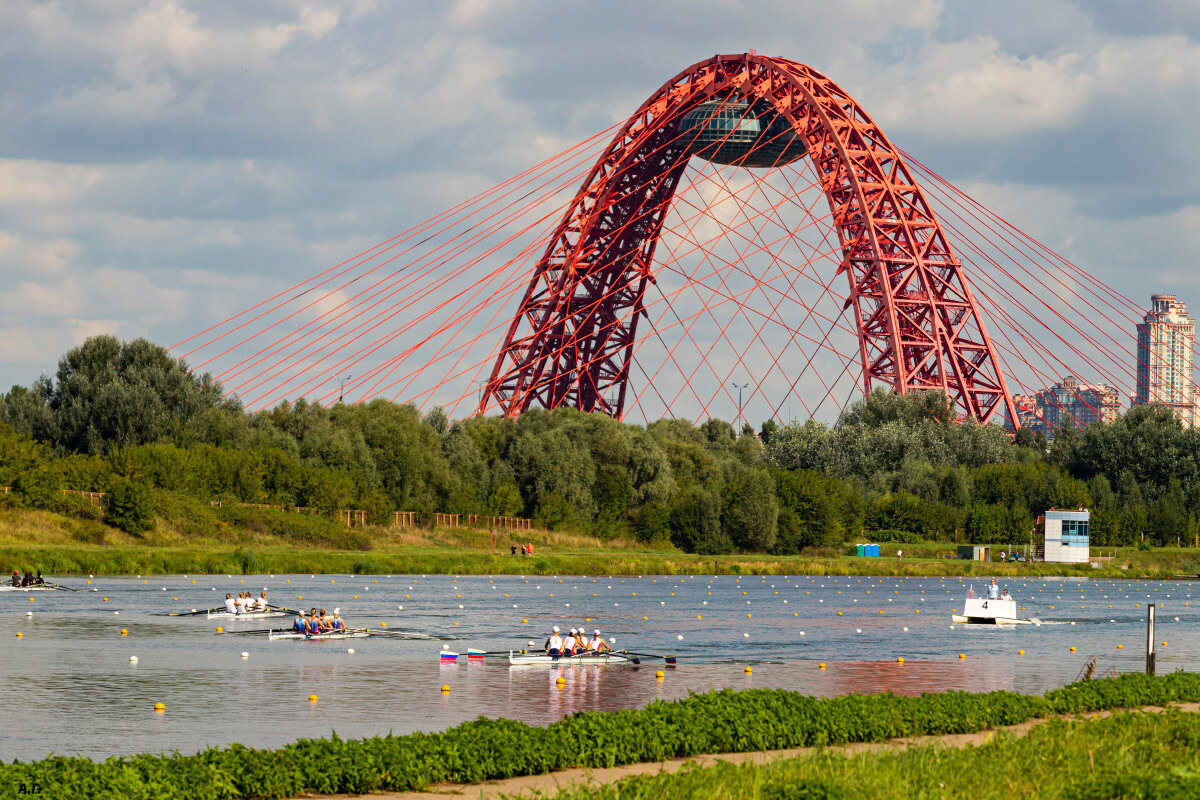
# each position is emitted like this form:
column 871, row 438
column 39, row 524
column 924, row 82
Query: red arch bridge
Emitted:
column 749, row 244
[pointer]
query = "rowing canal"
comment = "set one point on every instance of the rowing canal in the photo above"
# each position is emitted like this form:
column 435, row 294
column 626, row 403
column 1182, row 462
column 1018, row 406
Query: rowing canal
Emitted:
column 67, row 685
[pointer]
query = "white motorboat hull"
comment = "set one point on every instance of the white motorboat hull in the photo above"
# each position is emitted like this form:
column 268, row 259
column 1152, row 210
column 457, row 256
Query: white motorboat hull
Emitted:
column 982, row 611
column 542, row 660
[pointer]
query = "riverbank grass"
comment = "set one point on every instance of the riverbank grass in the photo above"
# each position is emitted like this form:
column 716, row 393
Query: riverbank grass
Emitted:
column 1128, row 756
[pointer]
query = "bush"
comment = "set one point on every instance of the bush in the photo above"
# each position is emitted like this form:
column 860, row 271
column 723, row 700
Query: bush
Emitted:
column 128, row 506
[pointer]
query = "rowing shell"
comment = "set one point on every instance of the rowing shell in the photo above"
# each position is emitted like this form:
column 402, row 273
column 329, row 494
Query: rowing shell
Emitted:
column 26, row 588
column 249, row 614
column 539, row 659
column 273, row 635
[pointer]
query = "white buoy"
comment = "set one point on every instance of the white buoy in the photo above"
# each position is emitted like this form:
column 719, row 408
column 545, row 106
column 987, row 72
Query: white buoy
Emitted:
column 164, row 588
column 680, row 637
column 116, row 613
column 745, row 636
column 29, row 613
column 350, row 651
column 400, row 607
column 801, row 633
column 133, row 659
column 906, row 630
column 245, row 654
column 445, row 647
column 858, row 630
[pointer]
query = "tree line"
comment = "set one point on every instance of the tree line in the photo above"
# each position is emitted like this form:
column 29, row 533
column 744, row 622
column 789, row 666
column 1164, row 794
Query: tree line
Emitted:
column 127, row 419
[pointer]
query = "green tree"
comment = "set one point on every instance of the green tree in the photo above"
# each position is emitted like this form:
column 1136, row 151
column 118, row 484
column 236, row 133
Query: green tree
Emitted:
column 128, row 506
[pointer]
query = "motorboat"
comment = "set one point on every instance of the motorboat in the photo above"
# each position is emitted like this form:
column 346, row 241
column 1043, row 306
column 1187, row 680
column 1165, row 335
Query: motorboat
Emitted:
column 982, row 611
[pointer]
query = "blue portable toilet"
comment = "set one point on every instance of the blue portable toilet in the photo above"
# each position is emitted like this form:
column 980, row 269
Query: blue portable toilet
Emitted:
column 860, row 550
column 873, row 550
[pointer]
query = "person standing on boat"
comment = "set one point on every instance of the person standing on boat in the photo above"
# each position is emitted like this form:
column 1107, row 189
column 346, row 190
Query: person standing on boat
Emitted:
column 993, row 591
column 554, row 644
column 230, row 606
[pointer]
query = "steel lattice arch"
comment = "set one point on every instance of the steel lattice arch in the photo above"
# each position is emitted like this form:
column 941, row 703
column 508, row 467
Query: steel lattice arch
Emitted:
column 918, row 323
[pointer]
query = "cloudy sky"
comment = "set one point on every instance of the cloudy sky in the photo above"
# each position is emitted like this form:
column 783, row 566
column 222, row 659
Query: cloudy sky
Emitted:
column 165, row 164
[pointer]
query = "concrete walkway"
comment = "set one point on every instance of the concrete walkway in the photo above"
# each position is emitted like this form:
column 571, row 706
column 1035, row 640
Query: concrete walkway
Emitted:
column 541, row 785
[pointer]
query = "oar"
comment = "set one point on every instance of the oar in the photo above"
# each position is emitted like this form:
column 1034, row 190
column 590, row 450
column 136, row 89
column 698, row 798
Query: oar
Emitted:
column 396, row 634
column 638, row 656
column 243, row 633
column 191, row 613
column 60, row 587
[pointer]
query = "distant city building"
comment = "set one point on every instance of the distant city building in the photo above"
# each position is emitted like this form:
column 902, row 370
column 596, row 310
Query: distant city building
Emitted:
column 1069, row 400
column 1164, row 355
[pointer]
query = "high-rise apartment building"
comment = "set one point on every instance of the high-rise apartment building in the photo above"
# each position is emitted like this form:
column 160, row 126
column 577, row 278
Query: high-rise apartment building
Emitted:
column 1069, row 400
column 1164, row 369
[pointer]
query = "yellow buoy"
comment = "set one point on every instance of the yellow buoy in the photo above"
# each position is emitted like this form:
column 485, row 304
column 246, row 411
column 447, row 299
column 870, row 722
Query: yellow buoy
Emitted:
column 645, row 618
column 1020, row 652
column 160, row 707
column 748, row 616
column 659, row 675
column 900, row 659
column 174, row 598
column 748, row 670
column 525, row 620
column 312, row 698
column 445, row 687
column 821, row 665
column 697, row 616
column 220, row 629
column 31, row 599
column 19, row 634
column 1072, row 649
column 1120, row 647
column 124, row 632
column 962, row 655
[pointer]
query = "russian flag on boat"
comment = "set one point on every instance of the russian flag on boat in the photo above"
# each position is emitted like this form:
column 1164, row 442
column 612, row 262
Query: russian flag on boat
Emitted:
column 475, row 654
column 447, row 656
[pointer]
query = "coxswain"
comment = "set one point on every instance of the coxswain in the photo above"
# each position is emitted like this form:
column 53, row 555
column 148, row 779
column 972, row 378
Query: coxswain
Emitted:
column 16, row 578
column 598, row 645
column 230, row 605
column 554, row 645
column 262, row 602
column 571, row 643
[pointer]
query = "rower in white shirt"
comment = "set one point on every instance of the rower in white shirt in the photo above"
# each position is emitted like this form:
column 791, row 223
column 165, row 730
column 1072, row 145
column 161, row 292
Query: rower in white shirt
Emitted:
column 262, row 602
column 554, row 644
column 570, row 643
column 230, row 605
column 597, row 644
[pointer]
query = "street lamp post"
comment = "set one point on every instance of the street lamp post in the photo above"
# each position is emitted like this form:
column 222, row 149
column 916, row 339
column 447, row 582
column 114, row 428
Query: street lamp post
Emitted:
column 342, row 386
column 740, row 387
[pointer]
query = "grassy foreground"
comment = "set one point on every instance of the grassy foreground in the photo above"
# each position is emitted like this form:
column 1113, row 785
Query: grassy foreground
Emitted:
column 716, row 722
column 63, row 545
column 1126, row 756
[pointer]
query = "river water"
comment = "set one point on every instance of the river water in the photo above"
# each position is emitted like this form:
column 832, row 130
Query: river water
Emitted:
column 67, row 685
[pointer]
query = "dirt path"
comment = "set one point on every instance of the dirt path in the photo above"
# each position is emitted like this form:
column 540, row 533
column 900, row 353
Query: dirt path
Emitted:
column 530, row 785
